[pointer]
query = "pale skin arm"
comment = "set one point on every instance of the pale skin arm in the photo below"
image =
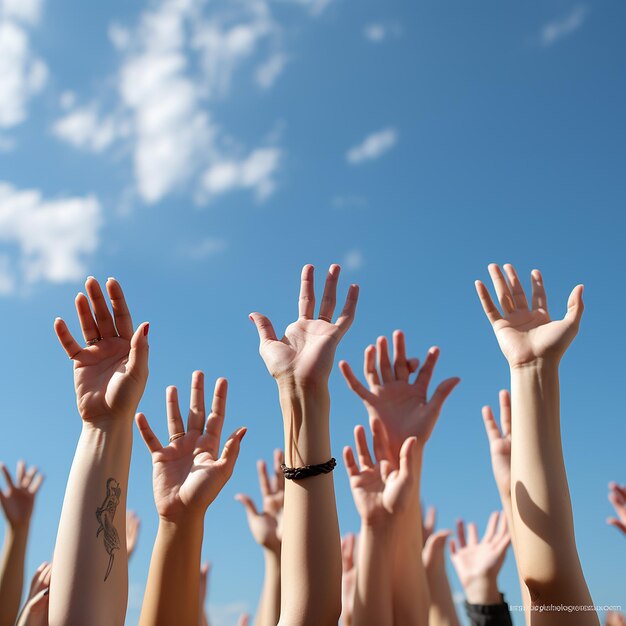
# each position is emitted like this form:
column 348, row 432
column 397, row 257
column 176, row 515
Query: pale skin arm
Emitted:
column 187, row 475
column 405, row 410
column 205, row 568
column 91, row 564
column 500, row 451
column 301, row 364
column 543, row 527
column 381, row 490
column 266, row 528
column 348, row 578
column 442, row 610
column 17, row 502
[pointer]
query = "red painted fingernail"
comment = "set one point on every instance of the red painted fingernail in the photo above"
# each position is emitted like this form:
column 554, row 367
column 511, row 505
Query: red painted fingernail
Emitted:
column 146, row 328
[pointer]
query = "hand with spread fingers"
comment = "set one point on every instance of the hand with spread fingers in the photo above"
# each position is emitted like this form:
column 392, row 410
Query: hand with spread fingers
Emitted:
column 478, row 563
column 266, row 525
column 500, row 443
column 18, row 500
column 306, row 353
column 401, row 404
column 617, row 497
column 189, row 473
column 110, row 372
column 35, row 610
column 527, row 334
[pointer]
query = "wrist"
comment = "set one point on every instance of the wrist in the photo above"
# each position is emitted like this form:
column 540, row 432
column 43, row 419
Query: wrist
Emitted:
column 271, row 554
column 290, row 384
column 183, row 525
column 482, row 590
column 18, row 532
column 539, row 364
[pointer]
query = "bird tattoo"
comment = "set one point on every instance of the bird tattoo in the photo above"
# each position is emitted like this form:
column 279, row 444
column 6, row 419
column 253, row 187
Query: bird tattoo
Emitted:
column 105, row 515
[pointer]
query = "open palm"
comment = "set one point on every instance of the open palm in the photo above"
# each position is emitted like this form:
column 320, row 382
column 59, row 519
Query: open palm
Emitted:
column 18, row 500
column 110, row 373
column 306, row 352
column 528, row 334
column 402, row 405
column 188, row 474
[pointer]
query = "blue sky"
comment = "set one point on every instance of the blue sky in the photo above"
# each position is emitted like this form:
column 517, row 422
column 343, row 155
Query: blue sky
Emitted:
column 201, row 152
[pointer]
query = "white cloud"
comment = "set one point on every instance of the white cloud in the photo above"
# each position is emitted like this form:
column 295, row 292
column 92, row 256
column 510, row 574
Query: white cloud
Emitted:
column 256, row 172
column 84, row 129
column 22, row 73
column 7, row 280
column 268, row 72
column 377, row 32
column 354, row 260
column 119, row 36
column 373, row 146
column 27, row 11
column 558, row 29
column 206, row 248
column 53, row 236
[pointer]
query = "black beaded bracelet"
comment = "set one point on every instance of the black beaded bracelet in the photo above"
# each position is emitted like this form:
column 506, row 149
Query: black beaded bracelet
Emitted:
column 298, row 473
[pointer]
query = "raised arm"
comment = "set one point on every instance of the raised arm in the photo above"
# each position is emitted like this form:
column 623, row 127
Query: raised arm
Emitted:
column 91, row 565
column 17, row 502
column 35, row 610
column 406, row 411
column 543, row 527
column 266, row 528
column 301, row 363
column 617, row 497
column 381, row 490
column 187, row 475
column 348, row 578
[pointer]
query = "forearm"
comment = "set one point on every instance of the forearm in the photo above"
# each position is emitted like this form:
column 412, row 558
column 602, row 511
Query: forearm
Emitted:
column 91, row 565
column 442, row 610
column 268, row 612
column 411, row 598
column 173, row 587
column 541, row 508
column 373, row 600
column 311, row 553
column 12, row 573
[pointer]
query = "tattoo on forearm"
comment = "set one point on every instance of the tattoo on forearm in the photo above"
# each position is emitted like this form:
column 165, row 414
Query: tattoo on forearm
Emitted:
column 105, row 515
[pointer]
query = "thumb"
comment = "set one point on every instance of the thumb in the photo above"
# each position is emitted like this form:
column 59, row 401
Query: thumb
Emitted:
column 264, row 327
column 248, row 504
column 138, row 355
column 575, row 306
column 231, row 448
column 407, row 459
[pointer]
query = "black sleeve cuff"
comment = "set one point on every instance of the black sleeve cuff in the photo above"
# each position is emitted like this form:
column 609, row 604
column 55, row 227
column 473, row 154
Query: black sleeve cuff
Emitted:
column 489, row 614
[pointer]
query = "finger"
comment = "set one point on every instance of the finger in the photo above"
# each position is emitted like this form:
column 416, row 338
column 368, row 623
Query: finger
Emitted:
column 491, row 427
column 612, row 521
column 472, row 534
column 362, row 450
column 215, row 422
column 575, row 306
column 264, row 328
column 354, row 383
column 380, row 440
column 329, row 298
column 346, row 317
column 400, row 364
column 248, row 504
column 452, row 545
column 28, row 477
column 444, row 390
column 430, row 519
column 460, row 532
column 490, row 309
column 34, row 486
column 350, row 463
column 244, row 620
column 369, row 366
column 384, row 364
column 407, row 458
column 7, row 476
column 503, row 527
column 502, row 289
column 104, row 319
column 87, row 323
column 264, row 480
column 175, row 424
column 150, row 439
column 20, row 472
column 539, row 298
column 70, row 345
column 505, row 412
column 197, row 410
column 306, row 301
column 425, row 374
column 230, row 452
column 123, row 319
column 413, row 365
column 139, row 353
column 492, row 526
column 347, row 552
column 517, row 291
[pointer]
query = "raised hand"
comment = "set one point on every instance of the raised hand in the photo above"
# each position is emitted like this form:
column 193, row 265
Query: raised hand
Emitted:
column 617, row 497
column 35, row 611
column 528, row 334
column 189, row 473
column 477, row 563
column 110, row 373
column 403, row 406
column 133, row 523
column 380, row 489
column 613, row 618
column 500, row 442
column 348, row 577
column 266, row 526
column 306, row 353
column 18, row 499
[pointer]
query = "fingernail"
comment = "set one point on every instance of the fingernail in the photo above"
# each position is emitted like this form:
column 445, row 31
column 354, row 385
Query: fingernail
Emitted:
column 146, row 328
column 46, row 592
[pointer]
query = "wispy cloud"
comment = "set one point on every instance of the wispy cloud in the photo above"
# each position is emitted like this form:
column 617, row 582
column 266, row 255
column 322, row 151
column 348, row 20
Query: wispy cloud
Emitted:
column 86, row 129
column 377, row 32
column 53, row 237
column 349, row 201
column 373, row 146
column 267, row 73
column 208, row 247
column 558, row 29
column 354, row 260
column 22, row 73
